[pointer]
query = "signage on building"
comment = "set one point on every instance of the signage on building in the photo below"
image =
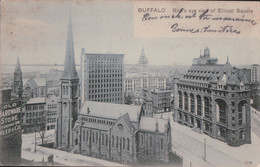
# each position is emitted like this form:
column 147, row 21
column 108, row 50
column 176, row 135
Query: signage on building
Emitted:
column 10, row 116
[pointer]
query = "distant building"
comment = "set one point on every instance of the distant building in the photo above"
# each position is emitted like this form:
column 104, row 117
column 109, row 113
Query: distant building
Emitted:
column 120, row 133
column 34, row 115
column 134, row 83
column 161, row 101
column 102, row 77
column 143, row 79
column 11, row 102
column 17, row 87
column 143, row 64
column 255, row 73
column 213, row 98
column 53, row 82
column 51, row 111
column 35, row 87
column 205, row 58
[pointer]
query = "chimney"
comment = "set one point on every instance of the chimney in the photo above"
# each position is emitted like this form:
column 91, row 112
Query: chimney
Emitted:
column 88, row 110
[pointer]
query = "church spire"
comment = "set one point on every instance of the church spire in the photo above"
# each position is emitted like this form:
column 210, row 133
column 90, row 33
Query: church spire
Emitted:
column 69, row 67
column 18, row 66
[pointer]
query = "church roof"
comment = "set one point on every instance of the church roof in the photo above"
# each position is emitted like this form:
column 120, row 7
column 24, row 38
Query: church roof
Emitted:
column 149, row 124
column 126, row 118
column 110, row 110
column 96, row 125
column 69, row 67
column 36, row 100
column 40, row 81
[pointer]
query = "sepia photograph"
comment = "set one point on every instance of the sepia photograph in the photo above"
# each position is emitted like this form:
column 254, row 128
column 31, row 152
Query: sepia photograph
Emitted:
column 129, row 83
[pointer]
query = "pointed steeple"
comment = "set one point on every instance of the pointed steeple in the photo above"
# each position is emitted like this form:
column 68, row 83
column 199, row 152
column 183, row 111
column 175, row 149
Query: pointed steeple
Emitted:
column 142, row 59
column 18, row 66
column 69, row 67
column 17, row 85
column 227, row 60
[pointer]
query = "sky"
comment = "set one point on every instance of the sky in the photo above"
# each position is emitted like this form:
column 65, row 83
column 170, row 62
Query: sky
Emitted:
column 36, row 32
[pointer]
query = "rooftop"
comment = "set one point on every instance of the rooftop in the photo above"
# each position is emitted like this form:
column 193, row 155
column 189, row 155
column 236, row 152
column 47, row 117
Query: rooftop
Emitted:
column 36, row 100
column 149, row 124
column 110, row 110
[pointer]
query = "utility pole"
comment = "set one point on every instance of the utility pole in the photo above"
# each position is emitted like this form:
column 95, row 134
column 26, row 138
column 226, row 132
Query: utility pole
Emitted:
column 205, row 153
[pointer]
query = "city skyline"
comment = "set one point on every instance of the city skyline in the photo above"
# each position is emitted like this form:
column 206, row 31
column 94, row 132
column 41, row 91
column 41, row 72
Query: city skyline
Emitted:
column 38, row 38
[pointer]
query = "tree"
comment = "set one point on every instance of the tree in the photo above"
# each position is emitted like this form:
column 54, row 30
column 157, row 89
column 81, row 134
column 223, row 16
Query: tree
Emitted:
column 128, row 99
column 42, row 125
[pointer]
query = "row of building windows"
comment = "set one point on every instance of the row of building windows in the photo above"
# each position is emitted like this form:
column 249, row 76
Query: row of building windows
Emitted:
column 105, row 90
column 52, row 113
column 114, row 100
column 100, row 121
column 141, row 138
column 34, row 114
column 103, row 59
column 106, row 81
column 51, row 120
column 34, row 120
column 52, row 106
column 34, row 107
column 106, row 76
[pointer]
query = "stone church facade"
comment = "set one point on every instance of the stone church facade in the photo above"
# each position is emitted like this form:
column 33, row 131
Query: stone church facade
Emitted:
column 213, row 99
column 120, row 133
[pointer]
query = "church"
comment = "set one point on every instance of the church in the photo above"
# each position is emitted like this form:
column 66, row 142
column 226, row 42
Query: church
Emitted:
column 213, row 99
column 115, row 132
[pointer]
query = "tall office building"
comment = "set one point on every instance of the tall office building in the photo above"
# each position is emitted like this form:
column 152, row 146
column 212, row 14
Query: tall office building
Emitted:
column 102, row 77
column 255, row 73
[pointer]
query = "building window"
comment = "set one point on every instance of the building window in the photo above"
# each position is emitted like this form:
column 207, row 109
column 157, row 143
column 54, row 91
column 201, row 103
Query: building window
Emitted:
column 87, row 136
column 102, row 138
column 151, row 143
column 241, row 135
column 142, row 139
column 128, row 144
column 161, row 143
column 221, row 112
column 192, row 103
column 242, row 112
column 123, row 143
column 106, row 140
column 180, row 100
column 96, row 137
column 198, row 105
column 112, row 141
column 186, row 104
column 117, row 142
column 207, row 107
column 93, row 137
column 84, row 135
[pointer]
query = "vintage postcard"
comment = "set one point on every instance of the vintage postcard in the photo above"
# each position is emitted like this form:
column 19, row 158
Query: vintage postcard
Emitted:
column 130, row 83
